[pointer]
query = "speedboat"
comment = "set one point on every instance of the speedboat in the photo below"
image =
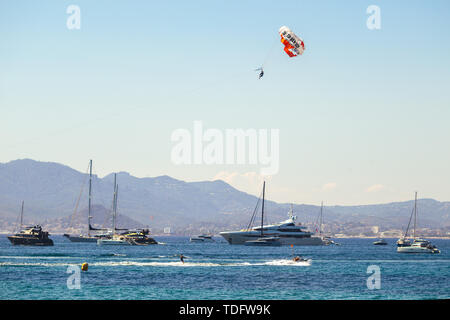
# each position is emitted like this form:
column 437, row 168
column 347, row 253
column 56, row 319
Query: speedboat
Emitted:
column 300, row 259
column 201, row 238
column 380, row 242
column 265, row 241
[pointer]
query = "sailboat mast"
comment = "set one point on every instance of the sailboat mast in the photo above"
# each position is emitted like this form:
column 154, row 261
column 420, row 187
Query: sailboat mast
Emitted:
column 114, row 204
column 115, row 211
column 321, row 218
column 415, row 216
column 21, row 217
column 90, row 195
column 262, row 210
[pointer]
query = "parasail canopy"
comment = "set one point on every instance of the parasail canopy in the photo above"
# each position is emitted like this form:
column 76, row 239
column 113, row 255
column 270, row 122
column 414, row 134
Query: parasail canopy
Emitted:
column 293, row 44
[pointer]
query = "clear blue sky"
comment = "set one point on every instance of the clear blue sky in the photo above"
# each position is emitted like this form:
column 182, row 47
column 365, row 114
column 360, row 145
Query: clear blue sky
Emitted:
column 363, row 115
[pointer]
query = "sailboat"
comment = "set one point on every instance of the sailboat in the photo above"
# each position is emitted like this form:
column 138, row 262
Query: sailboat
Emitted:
column 115, row 238
column 88, row 237
column 30, row 236
column 325, row 239
column 127, row 237
column 404, row 245
column 262, row 240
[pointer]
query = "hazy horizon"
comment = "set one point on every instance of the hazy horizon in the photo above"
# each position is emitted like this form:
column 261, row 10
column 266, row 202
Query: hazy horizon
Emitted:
column 257, row 194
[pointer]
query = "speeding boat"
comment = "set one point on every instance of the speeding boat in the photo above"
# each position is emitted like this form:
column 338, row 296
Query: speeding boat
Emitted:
column 300, row 259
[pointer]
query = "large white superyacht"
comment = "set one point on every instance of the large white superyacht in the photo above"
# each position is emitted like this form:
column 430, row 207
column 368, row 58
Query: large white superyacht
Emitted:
column 287, row 232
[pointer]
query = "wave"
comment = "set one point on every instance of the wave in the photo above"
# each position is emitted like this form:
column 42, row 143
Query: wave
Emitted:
column 280, row 262
column 283, row 262
column 37, row 264
column 112, row 255
column 38, row 257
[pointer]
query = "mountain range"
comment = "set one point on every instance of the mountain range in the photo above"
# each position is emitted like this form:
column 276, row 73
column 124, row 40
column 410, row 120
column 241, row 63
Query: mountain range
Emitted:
column 51, row 191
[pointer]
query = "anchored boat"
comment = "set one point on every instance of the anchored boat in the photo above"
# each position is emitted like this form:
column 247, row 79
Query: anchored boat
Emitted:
column 30, row 236
column 88, row 237
column 404, row 245
column 287, row 231
column 380, row 242
column 126, row 237
column 202, row 238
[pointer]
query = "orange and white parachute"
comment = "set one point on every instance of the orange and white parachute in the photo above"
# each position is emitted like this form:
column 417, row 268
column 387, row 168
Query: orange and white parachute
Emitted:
column 293, row 45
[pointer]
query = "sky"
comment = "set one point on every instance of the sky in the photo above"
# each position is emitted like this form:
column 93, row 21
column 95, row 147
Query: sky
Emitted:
column 363, row 115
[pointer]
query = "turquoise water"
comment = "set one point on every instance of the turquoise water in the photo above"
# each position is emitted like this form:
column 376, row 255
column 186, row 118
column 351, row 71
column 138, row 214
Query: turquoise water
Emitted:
column 221, row 271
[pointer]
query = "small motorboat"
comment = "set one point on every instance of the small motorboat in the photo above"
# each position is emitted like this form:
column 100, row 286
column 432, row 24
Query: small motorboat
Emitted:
column 202, row 238
column 380, row 242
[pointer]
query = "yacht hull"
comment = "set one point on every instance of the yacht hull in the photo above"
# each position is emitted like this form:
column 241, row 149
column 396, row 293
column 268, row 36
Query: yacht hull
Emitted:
column 28, row 241
column 240, row 238
column 81, row 239
column 111, row 242
column 413, row 249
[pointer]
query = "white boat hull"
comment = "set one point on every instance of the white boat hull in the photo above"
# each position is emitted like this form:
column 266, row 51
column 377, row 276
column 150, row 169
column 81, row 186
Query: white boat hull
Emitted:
column 412, row 249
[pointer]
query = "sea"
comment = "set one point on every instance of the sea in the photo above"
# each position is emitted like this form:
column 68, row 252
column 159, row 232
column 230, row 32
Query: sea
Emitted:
column 356, row 269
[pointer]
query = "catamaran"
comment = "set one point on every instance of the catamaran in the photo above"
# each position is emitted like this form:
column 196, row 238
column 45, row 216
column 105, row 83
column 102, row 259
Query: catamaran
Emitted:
column 404, row 245
column 286, row 231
